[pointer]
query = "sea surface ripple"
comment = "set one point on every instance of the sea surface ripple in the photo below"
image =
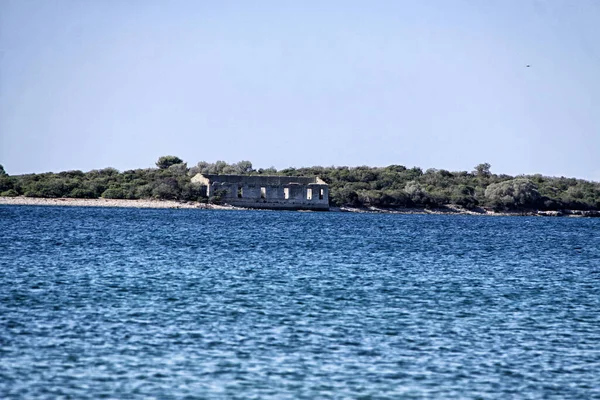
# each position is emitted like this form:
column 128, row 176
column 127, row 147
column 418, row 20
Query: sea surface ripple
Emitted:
column 137, row 303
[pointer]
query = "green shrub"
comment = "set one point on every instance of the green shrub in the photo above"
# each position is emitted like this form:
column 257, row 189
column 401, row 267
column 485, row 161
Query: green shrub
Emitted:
column 143, row 191
column 217, row 196
column 9, row 193
column 167, row 189
column 49, row 188
column 113, row 193
column 514, row 193
column 83, row 193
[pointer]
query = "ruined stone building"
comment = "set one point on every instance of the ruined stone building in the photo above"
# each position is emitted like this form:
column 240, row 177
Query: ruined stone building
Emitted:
column 268, row 192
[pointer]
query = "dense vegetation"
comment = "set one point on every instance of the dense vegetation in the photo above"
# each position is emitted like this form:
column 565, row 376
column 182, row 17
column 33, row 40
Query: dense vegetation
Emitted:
column 394, row 186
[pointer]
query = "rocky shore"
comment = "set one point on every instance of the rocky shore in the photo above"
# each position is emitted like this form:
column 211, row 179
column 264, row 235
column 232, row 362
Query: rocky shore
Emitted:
column 457, row 210
column 149, row 203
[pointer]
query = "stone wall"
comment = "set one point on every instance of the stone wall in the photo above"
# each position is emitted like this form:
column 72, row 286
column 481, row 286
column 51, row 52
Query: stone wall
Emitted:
column 268, row 192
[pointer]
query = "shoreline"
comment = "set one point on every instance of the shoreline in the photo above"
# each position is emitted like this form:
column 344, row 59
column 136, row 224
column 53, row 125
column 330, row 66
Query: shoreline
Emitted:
column 175, row 204
column 140, row 203
column 451, row 209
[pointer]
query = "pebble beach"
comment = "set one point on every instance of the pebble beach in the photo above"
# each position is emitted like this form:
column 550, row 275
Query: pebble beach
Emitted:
column 144, row 203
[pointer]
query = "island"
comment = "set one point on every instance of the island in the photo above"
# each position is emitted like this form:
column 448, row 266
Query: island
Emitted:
column 394, row 189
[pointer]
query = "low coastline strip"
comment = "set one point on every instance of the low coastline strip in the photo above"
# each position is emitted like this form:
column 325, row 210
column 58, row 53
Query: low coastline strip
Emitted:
column 174, row 204
column 144, row 203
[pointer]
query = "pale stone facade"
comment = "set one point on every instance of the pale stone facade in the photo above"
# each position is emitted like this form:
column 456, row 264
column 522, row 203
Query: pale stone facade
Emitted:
column 267, row 192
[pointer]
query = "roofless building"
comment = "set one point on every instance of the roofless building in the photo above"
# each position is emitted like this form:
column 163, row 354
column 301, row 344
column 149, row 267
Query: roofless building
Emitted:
column 268, row 192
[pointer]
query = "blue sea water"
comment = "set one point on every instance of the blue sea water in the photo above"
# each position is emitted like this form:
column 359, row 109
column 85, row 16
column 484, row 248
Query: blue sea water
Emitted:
column 138, row 303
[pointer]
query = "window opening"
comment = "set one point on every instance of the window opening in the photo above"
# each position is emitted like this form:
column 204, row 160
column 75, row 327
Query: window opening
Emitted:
column 321, row 194
column 240, row 192
column 286, row 193
column 263, row 192
column 308, row 194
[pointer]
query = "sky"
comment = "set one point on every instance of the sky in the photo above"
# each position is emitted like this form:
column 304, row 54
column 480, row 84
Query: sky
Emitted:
column 430, row 83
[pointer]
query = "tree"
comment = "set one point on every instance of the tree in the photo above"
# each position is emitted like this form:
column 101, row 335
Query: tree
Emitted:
column 267, row 171
column 219, row 167
column 179, row 169
column 396, row 168
column 165, row 162
column 483, row 169
column 201, row 168
column 416, row 193
column 514, row 193
column 6, row 182
column 464, row 196
column 243, row 167
column 167, row 189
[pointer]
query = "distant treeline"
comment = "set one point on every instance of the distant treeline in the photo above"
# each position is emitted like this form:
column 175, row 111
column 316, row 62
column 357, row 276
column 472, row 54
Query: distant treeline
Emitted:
column 394, row 186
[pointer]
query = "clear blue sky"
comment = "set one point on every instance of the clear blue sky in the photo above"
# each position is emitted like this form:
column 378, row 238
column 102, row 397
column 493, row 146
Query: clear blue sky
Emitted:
column 434, row 84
